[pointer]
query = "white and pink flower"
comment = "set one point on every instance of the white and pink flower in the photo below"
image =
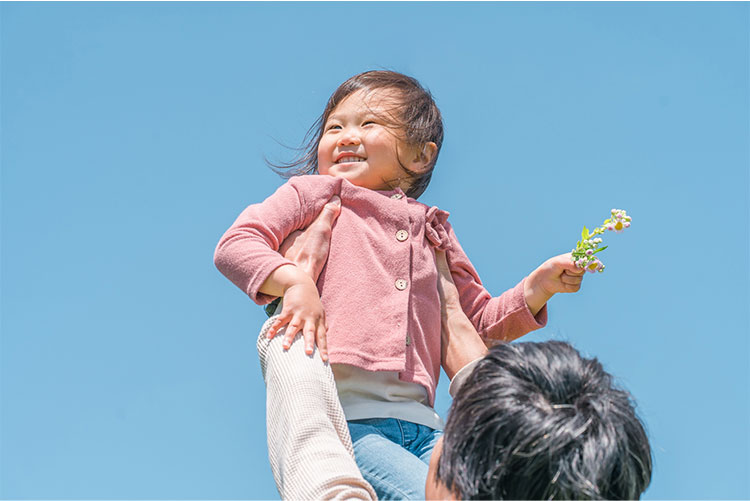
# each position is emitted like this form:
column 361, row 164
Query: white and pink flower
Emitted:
column 584, row 254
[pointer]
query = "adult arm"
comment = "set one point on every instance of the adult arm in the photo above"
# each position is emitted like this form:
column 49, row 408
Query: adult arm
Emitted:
column 247, row 255
column 517, row 311
column 502, row 318
column 309, row 446
column 460, row 342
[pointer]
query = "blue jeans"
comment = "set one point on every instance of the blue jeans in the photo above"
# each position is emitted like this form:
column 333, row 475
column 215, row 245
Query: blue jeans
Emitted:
column 393, row 455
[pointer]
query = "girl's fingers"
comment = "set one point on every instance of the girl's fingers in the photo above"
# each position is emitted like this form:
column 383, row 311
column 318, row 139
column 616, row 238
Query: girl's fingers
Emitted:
column 571, row 279
column 322, row 341
column 568, row 265
column 572, row 283
column 309, row 335
column 277, row 324
column 291, row 332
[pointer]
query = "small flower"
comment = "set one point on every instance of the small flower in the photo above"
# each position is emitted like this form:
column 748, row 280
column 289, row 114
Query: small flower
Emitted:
column 621, row 215
column 584, row 254
column 594, row 266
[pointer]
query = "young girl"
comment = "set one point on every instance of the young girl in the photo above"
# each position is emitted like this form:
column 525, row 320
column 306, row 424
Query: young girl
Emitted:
column 375, row 309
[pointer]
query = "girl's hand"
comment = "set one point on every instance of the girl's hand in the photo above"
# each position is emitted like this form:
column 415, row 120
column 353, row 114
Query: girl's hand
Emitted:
column 557, row 274
column 302, row 311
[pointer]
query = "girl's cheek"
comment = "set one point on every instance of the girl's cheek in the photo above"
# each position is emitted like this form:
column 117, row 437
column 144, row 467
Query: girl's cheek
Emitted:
column 321, row 161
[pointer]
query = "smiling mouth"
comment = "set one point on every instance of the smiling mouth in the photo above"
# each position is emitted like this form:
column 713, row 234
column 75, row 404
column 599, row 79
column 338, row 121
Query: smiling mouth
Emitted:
column 350, row 159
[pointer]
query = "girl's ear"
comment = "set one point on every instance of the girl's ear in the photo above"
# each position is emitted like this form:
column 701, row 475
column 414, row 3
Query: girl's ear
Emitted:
column 422, row 158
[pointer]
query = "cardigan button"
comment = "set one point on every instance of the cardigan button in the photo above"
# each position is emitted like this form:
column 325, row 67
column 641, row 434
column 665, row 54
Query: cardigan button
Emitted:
column 396, row 196
column 401, row 284
column 402, row 235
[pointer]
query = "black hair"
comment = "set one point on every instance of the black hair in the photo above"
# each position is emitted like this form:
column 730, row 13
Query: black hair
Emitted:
column 415, row 116
column 538, row 421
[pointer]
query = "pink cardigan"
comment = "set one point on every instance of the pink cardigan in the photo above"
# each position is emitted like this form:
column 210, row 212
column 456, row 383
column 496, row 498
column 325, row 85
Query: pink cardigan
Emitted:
column 379, row 287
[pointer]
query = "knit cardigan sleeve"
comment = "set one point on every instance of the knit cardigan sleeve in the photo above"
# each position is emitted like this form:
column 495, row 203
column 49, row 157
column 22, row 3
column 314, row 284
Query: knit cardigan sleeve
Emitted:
column 248, row 252
column 502, row 318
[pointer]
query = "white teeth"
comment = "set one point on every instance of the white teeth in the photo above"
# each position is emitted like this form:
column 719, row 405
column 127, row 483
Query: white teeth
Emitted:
column 348, row 159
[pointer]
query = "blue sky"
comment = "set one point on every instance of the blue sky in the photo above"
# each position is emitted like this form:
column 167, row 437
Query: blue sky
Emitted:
column 134, row 133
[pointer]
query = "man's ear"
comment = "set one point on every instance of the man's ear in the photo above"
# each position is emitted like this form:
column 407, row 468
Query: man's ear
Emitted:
column 436, row 490
column 423, row 157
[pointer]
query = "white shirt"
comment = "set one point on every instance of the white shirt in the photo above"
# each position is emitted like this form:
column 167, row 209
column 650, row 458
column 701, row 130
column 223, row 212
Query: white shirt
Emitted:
column 381, row 394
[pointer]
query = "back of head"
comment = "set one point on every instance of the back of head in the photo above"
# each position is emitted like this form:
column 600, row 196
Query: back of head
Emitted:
column 538, row 421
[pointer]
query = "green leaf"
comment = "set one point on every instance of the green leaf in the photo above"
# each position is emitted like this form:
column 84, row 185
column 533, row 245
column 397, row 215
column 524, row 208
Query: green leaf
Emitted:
column 599, row 250
column 585, row 233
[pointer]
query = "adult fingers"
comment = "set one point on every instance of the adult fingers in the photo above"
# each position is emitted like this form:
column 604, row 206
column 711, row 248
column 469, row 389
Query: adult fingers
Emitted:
column 449, row 297
column 318, row 238
column 321, row 228
column 442, row 262
column 331, row 211
column 288, row 244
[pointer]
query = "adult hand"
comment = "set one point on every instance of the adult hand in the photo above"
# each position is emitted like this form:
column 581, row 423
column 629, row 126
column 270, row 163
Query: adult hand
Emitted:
column 459, row 341
column 557, row 274
column 308, row 249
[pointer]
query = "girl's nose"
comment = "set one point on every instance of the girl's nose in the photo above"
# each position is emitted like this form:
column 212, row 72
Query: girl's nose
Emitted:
column 349, row 137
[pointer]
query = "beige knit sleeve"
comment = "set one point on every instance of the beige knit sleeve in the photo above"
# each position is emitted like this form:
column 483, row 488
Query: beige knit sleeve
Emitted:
column 309, row 446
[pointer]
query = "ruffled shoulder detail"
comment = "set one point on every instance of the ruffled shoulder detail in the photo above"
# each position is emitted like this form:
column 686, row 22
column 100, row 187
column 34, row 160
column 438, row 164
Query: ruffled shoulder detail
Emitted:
column 435, row 230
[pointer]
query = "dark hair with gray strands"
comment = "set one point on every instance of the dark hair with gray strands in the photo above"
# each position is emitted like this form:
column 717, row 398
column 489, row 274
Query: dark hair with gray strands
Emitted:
column 415, row 119
column 538, row 421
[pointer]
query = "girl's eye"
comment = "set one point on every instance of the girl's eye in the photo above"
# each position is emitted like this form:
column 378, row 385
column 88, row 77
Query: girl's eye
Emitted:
column 333, row 126
column 369, row 122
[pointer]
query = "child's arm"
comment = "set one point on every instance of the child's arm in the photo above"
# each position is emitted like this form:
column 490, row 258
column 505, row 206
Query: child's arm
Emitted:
column 308, row 249
column 248, row 255
column 517, row 311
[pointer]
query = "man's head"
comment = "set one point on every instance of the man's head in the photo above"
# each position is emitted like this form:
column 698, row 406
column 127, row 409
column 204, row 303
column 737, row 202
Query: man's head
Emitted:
column 538, row 421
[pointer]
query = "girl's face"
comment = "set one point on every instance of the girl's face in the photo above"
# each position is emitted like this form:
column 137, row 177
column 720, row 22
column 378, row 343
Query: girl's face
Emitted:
column 358, row 145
